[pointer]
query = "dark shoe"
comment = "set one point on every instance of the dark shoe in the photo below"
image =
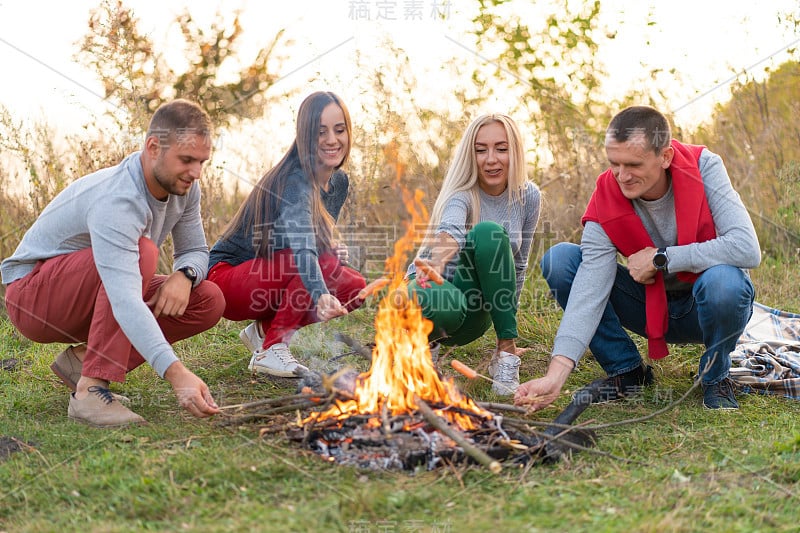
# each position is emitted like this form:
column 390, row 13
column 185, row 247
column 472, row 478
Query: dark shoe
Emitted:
column 720, row 396
column 68, row 368
column 623, row 385
column 100, row 409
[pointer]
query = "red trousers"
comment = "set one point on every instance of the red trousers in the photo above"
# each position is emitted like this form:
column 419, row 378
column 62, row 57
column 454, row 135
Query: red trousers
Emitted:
column 271, row 291
column 63, row 300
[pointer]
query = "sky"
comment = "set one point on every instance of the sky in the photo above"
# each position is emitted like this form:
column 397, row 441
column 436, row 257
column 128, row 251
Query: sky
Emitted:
column 708, row 42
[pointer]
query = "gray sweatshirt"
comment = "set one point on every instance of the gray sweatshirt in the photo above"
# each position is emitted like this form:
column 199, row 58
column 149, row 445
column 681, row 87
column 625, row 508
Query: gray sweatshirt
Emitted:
column 518, row 220
column 293, row 229
column 109, row 211
column 736, row 244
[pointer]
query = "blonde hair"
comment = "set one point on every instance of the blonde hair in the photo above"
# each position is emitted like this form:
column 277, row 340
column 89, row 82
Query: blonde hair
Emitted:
column 462, row 174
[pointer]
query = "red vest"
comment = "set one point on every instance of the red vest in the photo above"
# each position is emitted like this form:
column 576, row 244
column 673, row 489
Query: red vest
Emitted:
column 619, row 220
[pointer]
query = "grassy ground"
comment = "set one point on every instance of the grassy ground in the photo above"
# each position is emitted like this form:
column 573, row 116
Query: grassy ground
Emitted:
column 685, row 470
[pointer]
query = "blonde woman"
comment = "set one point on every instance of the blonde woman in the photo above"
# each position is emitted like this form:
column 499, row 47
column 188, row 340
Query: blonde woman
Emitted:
column 481, row 230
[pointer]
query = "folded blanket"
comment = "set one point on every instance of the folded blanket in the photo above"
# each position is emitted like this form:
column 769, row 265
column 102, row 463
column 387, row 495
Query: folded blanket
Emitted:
column 767, row 355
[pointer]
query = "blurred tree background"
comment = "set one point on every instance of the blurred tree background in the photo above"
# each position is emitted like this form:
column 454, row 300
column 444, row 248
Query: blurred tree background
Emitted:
column 546, row 63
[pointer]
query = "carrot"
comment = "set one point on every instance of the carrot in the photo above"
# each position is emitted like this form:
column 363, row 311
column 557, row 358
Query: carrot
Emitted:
column 428, row 270
column 463, row 369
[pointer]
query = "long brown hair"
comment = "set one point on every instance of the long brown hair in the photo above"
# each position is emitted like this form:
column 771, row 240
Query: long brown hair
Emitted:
column 260, row 209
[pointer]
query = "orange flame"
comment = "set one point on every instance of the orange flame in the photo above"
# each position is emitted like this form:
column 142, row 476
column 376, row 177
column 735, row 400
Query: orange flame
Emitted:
column 401, row 362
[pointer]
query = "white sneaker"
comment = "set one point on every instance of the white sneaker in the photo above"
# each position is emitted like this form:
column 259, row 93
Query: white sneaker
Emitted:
column 504, row 369
column 276, row 360
column 251, row 337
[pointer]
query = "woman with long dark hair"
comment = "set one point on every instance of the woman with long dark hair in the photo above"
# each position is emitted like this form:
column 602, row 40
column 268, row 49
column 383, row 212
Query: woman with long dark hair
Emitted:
column 277, row 262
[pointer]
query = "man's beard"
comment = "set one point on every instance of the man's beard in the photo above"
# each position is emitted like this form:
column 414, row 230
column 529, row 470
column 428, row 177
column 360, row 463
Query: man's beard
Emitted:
column 171, row 186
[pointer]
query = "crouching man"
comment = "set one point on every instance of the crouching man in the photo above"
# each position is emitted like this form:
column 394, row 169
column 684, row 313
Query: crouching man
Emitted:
column 671, row 210
column 85, row 271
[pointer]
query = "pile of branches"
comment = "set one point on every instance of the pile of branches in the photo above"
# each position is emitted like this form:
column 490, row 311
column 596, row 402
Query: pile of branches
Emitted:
column 409, row 441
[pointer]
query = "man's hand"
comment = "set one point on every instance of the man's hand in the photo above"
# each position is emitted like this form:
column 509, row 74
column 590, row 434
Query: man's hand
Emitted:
column 328, row 307
column 539, row 393
column 172, row 297
column 191, row 391
column 640, row 265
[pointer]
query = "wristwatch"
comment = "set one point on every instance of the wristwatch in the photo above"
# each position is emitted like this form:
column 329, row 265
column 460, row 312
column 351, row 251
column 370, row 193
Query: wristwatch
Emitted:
column 660, row 260
column 190, row 273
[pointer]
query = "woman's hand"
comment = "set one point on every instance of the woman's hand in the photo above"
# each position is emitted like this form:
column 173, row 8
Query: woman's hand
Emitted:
column 328, row 307
column 427, row 271
column 342, row 252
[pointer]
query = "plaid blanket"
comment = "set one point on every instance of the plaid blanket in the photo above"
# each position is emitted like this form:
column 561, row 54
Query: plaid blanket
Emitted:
column 767, row 355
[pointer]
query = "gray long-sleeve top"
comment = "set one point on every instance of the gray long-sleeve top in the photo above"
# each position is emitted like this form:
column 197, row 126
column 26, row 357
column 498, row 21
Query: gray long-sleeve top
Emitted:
column 736, row 244
column 518, row 220
column 109, row 211
column 293, row 229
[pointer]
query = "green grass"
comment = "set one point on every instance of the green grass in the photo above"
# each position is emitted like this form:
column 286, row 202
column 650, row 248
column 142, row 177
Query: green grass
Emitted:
column 685, row 470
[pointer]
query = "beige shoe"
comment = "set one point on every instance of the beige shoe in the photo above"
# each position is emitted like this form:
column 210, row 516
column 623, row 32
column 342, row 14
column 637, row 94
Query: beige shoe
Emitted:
column 101, row 410
column 68, row 368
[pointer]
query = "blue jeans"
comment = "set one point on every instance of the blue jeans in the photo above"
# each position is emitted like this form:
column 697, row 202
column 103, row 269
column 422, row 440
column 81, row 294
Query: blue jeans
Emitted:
column 714, row 313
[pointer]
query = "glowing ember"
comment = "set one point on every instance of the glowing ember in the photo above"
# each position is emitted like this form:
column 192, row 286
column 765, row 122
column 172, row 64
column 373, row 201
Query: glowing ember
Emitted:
column 401, row 361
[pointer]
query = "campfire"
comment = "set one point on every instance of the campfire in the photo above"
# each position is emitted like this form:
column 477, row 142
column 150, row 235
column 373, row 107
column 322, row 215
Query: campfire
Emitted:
column 402, row 372
column 389, row 413
column 401, row 413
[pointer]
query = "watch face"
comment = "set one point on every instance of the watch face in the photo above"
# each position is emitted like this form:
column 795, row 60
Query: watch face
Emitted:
column 660, row 260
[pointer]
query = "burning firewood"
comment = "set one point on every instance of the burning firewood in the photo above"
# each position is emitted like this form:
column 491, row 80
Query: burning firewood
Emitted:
column 479, row 455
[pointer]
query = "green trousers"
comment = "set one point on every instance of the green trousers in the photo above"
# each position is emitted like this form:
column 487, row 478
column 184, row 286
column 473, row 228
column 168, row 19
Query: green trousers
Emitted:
column 483, row 291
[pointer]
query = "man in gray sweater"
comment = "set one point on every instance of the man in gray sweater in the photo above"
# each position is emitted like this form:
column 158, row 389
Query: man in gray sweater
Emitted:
column 85, row 272
column 670, row 209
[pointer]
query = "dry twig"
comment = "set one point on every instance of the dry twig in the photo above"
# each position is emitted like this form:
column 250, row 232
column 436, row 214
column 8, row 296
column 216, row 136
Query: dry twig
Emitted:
column 437, row 422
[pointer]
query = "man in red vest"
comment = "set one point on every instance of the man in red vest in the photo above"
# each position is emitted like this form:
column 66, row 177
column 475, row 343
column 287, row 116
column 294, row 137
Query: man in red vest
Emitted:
column 670, row 210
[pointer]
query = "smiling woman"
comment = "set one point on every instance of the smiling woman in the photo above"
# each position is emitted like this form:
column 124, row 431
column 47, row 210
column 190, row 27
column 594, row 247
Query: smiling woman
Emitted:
column 278, row 261
column 482, row 228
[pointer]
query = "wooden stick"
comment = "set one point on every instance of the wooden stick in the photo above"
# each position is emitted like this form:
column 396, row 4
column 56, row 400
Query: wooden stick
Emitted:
column 490, row 406
column 237, row 419
column 437, row 422
column 271, row 401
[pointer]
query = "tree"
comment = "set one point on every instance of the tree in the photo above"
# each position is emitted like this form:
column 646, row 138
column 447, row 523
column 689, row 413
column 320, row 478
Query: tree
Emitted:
column 551, row 71
column 757, row 134
column 136, row 77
